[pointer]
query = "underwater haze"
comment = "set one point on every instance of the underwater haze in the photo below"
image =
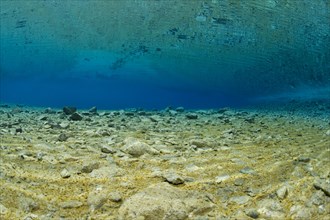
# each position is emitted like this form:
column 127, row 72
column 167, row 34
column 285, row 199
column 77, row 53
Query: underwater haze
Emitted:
column 157, row 53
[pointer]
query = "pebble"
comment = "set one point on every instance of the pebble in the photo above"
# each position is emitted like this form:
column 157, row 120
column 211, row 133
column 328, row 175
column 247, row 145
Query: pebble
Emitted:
column 65, row 173
column 173, row 178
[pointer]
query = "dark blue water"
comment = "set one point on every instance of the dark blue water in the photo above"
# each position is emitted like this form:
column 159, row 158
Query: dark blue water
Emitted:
column 205, row 54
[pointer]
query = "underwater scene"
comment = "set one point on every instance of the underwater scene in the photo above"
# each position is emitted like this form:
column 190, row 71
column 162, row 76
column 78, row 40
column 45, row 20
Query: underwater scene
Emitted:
column 165, row 109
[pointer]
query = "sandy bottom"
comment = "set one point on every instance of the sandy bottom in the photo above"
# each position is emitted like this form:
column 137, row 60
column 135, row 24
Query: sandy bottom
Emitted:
column 253, row 164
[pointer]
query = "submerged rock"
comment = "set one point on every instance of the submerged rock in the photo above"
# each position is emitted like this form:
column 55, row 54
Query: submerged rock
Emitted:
column 191, row 116
column 69, row 110
column 137, row 148
column 163, row 201
column 76, row 117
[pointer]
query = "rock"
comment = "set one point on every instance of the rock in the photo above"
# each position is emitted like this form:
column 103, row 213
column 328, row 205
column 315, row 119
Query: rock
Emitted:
column 191, row 116
column 247, row 170
column 105, row 172
column 64, row 125
column 76, row 117
column 137, row 148
column 179, row 109
column 303, row 159
column 282, row 192
column 222, row 178
column 89, row 167
column 3, row 210
column 252, row 213
column 239, row 199
column 62, row 137
column 28, row 204
column 173, row 178
column 97, row 198
column 239, row 182
column 270, row 209
column 163, row 201
column 172, row 112
column 71, row 204
column 200, row 144
column 327, row 132
column 300, row 212
column 108, row 150
column 49, row 111
column 115, row 196
column 42, row 118
column 65, row 173
column 323, row 185
column 93, row 110
column 318, row 198
column 69, row 110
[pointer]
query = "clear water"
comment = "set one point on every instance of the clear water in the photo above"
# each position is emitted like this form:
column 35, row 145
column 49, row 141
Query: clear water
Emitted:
column 152, row 54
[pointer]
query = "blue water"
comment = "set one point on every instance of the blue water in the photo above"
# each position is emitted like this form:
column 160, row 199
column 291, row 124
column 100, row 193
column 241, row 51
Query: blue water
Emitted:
column 202, row 54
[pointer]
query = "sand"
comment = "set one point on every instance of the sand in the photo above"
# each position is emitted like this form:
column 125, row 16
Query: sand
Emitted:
column 250, row 163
